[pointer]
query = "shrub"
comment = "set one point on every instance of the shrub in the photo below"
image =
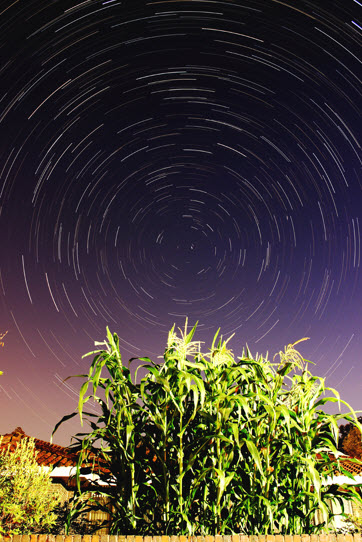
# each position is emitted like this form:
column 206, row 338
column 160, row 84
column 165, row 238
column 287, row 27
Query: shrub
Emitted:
column 27, row 498
column 206, row 443
column 82, row 525
column 352, row 444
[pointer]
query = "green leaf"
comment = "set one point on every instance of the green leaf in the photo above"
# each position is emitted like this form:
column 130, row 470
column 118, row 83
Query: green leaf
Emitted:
column 81, row 402
column 129, row 431
column 255, row 455
column 64, row 419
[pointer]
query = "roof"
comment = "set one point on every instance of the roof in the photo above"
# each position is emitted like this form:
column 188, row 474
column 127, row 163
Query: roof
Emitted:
column 48, row 454
column 353, row 468
column 53, row 455
column 60, row 460
column 349, row 464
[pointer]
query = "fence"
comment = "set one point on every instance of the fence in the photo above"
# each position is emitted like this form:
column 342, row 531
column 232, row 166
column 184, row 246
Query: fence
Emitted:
column 217, row 538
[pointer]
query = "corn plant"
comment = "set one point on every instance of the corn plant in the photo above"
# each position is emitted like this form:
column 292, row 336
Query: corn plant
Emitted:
column 207, row 443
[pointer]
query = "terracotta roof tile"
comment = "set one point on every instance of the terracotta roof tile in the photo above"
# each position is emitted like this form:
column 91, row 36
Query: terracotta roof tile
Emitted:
column 48, row 454
column 353, row 468
column 56, row 456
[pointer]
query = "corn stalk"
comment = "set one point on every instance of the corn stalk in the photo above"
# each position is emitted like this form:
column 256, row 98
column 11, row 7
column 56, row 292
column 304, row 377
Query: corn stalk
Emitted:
column 207, row 443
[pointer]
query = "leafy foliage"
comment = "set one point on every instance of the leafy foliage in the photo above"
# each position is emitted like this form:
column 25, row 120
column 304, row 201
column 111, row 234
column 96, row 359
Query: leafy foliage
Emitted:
column 27, row 498
column 82, row 524
column 352, row 444
column 354, row 524
column 344, row 431
column 206, row 443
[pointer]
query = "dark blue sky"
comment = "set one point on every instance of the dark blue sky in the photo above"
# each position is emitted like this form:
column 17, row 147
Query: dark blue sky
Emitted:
column 167, row 159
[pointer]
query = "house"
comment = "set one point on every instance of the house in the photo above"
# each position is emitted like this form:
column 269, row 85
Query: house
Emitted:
column 61, row 462
column 355, row 469
column 350, row 508
column 49, row 456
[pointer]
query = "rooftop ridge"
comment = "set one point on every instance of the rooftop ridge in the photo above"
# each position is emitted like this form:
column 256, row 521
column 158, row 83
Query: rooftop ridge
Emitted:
column 47, row 452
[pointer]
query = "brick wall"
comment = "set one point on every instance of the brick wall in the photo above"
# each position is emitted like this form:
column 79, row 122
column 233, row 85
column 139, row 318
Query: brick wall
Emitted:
column 218, row 538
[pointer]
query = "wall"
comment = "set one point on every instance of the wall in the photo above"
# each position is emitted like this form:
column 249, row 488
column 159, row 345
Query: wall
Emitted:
column 218, row 538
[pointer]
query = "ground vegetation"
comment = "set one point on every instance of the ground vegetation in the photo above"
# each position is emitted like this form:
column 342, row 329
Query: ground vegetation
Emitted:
column 208, row 443
column 27, row 495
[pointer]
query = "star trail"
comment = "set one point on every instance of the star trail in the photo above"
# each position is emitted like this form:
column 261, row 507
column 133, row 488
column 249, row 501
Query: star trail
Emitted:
column 169, row 159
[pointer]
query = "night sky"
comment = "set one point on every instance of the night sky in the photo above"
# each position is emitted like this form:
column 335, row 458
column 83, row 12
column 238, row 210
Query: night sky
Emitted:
column 172, row 158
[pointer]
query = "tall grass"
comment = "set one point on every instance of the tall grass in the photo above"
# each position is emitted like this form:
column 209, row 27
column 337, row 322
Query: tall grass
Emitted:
column 208, row 443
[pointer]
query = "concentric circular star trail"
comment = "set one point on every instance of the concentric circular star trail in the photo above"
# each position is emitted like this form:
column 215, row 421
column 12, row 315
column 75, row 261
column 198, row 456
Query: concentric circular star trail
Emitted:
column 170, row 159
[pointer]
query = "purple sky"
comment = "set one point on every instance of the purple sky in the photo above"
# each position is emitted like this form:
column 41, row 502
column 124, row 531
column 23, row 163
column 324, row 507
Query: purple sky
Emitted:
column 166, row 159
